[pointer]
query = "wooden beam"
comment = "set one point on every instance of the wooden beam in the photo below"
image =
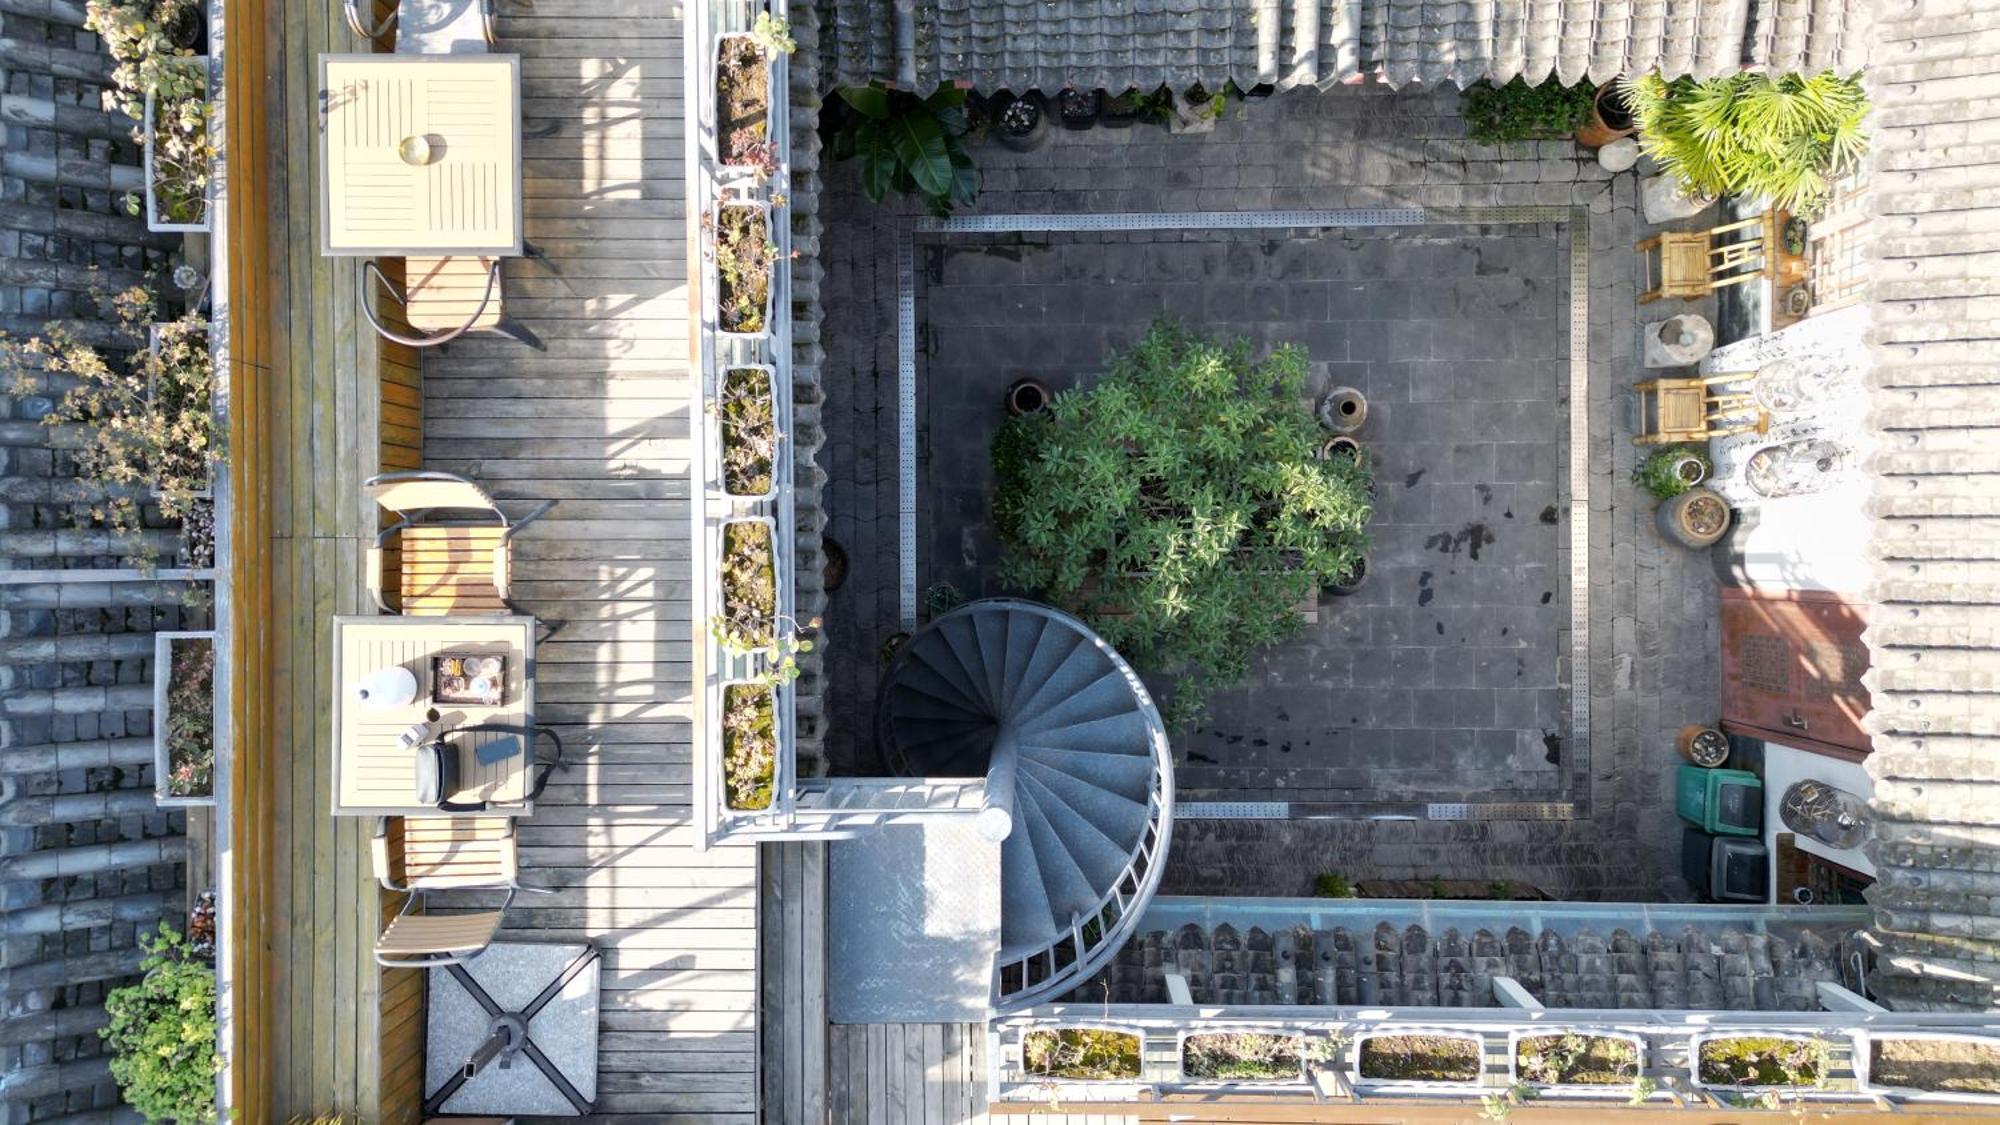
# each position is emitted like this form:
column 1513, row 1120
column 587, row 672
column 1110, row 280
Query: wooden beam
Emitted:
column 1834, row 998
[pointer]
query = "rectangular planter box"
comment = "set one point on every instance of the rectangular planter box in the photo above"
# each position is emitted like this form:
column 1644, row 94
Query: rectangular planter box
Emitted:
column 1864, row 1065
column 1620, row 1089
column 1297, row 1037
column 774, row 87
column 722, row 745
column 153, row 220
column 715, row 271
column 1355, row 1078
column 1694, row 1059
column 1137, row 1079
column 163, row 667
column 719, row 436
column 153, row 345
column 777, row 570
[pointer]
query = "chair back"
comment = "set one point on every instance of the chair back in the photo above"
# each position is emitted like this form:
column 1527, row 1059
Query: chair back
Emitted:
column 444, row 27
column 410, row 495
column 443, row 852
column 460, row 293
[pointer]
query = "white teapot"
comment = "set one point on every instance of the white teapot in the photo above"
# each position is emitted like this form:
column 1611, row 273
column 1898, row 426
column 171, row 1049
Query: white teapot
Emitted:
column 386, row 688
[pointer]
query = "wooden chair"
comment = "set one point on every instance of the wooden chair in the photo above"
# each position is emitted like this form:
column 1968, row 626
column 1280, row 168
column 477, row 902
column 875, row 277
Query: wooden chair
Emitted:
column 442, row 299
column 416, row 855
column 1691, row 265
column 426, row 27
column 1684, row 410
column 455, row 545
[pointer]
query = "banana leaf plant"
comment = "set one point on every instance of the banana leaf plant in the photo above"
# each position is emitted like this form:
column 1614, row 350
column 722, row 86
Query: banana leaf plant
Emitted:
column 909, row 144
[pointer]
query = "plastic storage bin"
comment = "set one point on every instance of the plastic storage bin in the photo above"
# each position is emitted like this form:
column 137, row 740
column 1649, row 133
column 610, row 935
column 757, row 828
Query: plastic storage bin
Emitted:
column 1725, row 868
column 1728, row 802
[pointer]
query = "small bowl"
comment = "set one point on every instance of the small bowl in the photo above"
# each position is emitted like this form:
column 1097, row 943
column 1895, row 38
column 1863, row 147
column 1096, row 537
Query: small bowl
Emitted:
column 416, row 151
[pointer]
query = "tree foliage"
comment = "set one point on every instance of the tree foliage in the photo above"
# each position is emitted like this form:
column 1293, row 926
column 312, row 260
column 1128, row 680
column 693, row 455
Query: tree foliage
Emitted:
column 1178, row 506
column 1786, row 138
column 162, row 1034
column 909, row 144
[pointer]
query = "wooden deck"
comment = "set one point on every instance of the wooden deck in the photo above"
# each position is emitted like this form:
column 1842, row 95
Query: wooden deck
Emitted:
column 598, row 423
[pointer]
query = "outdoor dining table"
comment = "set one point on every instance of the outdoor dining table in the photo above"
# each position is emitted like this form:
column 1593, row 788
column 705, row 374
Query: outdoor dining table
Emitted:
column 374, row 773
column 420, row 155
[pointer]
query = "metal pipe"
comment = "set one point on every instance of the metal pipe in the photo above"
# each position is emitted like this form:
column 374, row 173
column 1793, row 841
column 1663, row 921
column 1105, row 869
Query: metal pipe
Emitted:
column 996, row 813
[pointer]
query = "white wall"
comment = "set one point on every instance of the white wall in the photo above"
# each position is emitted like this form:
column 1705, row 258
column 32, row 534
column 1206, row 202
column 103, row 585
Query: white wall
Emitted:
column 1784, row 765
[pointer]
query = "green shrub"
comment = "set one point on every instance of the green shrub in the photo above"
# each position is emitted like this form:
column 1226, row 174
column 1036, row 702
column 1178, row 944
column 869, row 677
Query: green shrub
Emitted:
column 162, row 1034
column 910, row 144
column 1520, row 112
column 1763, row 1060
column 1333, row 884
column 1178, row 506
column 1081, row 1054
column 1656, row 473
column 1786, row 137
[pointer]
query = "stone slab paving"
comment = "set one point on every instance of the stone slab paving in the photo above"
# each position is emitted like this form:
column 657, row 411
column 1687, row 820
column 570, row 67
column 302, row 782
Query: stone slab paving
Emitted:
column 1653, row 634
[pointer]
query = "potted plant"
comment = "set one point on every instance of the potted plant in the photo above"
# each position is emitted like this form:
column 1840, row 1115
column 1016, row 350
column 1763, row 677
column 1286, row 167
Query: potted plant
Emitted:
column 1343, row 410
column 746, row 428
column 1610, row 118
column 1122, row 111
column 1020, row 122
column 1198, row 110
column 1028, row 395
column 1081, row 1054
column 1696, row 518
column 184, row 718
column 178, row 153
column 1341, row 445
column 1785, row 137
column 162, row 1034
column 1576, row 1058
column 1079, row 109
column 915, row 146
column 748, row 591
column 1243, row 1056
column 1423, row 1058
column 745, row 260
column 746, row 72
column 1704, row 746
column 1518, row 111
column 1759, row 1061
column 1670, row 471
column 749, row 745
column 1350, row 580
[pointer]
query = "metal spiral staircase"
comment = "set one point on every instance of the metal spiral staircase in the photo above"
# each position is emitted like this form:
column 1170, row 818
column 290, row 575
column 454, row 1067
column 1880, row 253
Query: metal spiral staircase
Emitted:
column 1079, row 785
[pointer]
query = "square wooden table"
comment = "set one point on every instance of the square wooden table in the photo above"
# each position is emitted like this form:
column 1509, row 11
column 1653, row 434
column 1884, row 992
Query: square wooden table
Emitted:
column 458, row 192
column 373, row 773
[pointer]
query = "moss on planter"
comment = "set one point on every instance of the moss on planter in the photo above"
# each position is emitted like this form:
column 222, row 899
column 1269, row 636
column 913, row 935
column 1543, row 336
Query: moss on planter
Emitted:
column 1242, row 1055
column 749, row 746
column 1942, row 1065
column 1082, row 1054
column 1419, row 1058
column 749, row 422
column 744, row 255
column 742, row 102
column 749, row 586
column 1762, row 1060
column 1576, row 1059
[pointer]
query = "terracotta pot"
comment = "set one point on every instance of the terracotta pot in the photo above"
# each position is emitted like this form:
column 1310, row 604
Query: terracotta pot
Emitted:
column 1696, row 518
column 1704, row 746
column 1343, row 410
column 1609, row 119
column 1341, row 446
column 1023, row 130
column 1027, row 396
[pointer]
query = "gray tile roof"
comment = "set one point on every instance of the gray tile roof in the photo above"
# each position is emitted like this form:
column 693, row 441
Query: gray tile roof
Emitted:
column 1934, row 637
column 1116, row 44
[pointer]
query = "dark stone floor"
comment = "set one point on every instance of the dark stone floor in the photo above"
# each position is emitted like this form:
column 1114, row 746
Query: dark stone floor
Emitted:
column 1441, row 676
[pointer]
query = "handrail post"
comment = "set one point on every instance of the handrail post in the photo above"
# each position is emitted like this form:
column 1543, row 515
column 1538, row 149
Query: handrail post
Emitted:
column 996, row 813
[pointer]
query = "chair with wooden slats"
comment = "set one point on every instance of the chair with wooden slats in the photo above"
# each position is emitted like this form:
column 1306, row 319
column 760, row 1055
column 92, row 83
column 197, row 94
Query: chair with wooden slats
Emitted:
column 442, row 299
column 416, row 855
column 455, row 545
column 425, row 27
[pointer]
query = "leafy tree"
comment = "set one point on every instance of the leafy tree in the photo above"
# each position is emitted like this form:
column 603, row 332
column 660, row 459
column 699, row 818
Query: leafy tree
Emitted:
column 1519, row 112
column 1178, row 506
column 162, row 1034
column 1786, row 137
column 909, row 144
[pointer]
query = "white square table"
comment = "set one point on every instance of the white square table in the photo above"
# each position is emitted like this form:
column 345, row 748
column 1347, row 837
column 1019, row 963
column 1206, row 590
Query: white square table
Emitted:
column 420, row 155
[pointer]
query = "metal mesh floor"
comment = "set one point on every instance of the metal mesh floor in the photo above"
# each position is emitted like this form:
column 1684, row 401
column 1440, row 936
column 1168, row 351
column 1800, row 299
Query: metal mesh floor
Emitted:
column 913, row 922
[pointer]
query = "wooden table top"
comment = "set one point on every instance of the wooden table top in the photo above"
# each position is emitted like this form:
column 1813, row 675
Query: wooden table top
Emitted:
column 373, row 773
column 466, row 199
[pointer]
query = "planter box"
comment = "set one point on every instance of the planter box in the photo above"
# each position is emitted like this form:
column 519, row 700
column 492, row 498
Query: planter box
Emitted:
column 1620, row 1089
column 163, row 667
column 719, row 435
column 1356, row 1078
column 715, row 270
column 722, row 742
column 154, row 220
column 1297, row 1038
column 153, row 345
column 1138, row 1038
column 1694, row 1060
column 1870, row 1082
column 774, row 87
column 721, row 556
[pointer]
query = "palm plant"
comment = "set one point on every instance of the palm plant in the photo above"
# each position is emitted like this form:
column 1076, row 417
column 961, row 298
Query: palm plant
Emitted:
column 1784, row 137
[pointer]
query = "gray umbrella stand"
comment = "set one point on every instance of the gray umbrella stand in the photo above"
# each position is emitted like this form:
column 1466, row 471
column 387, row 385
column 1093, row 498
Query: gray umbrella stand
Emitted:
column 513, row 1032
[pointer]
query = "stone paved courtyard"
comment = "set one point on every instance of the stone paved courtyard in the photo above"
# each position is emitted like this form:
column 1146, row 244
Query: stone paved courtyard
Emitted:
column 1458, row 334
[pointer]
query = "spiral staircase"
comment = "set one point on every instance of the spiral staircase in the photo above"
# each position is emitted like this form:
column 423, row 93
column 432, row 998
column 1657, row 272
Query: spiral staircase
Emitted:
column 1078, row 782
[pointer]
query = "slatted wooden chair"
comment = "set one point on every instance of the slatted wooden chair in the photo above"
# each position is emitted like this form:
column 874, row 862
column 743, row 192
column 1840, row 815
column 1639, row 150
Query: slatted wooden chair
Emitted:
column 425, row 27
column 417, row 855
column 442, row 299
column 1695, row 409
column 1690, row 264
column 455, row 545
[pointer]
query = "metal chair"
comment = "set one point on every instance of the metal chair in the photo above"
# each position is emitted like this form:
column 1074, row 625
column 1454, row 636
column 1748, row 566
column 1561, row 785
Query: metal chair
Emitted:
column 424, row 854
column 427, row 27
column 454, row 545
column 443, row 299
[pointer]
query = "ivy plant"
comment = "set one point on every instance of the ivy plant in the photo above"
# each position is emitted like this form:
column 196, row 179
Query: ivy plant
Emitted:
column 908, row 144
column 162, row 1034
column 1178, row 506
column 1786, row 137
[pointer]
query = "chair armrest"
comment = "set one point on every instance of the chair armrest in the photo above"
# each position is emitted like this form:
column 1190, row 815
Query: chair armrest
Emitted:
column 374, row 565
column 378, row 850
column 503, row 569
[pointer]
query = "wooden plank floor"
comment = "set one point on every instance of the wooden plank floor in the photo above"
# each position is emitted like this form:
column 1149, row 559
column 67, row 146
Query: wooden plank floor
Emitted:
column 598, row 423
column 920, row 1073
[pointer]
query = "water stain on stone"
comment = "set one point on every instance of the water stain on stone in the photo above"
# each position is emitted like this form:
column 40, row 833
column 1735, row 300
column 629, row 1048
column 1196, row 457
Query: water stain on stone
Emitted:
column 1411, row 480
column 1548, row 596
column 1508, row 514
column 1424, row 596
column 1198, row 756
column 1548, row 515
column 1284, row 716
column 1260, row 742
column 1234, row 739
column 1286, row 747
column 1553, row 744
column 1440, row 626
column 1485, row 493
column 1503, row 630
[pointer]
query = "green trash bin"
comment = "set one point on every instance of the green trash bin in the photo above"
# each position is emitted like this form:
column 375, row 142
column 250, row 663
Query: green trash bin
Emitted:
column 1726, row 802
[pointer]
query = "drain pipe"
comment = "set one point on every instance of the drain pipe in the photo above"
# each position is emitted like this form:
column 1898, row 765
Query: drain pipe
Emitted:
column 996, row 816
